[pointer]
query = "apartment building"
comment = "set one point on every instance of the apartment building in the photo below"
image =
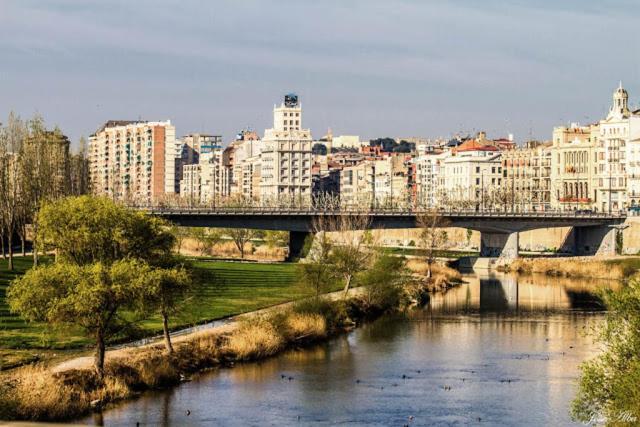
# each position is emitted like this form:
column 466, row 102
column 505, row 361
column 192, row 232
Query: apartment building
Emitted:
column 470, row 175
column 429, row 177
column 527, row 172
column 133, row 160
column 285, row 156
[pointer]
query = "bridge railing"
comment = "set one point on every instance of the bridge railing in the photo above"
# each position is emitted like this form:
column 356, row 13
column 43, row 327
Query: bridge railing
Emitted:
column 255, row 210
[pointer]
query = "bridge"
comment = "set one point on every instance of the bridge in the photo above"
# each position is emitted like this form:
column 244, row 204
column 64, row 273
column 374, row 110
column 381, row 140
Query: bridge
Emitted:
column 593, row 233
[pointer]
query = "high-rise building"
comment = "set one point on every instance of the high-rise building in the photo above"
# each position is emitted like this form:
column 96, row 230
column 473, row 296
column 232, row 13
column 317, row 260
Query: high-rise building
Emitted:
column 133, row 160
column 285, row 155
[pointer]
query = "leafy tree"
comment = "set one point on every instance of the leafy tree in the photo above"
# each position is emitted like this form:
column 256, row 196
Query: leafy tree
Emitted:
column 319, row 148
column 87, row 229
column 316, row 271
column 610, row 383
column 383, row 280
column 352, row 255
column 92, row 296
column 167, row 289
column 240, row 237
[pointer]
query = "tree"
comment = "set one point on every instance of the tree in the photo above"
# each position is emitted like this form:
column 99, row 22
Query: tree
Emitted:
column 87, row 229
column 240, row 237
column 316, row 271
column 432, row 236
column 207, row 238
column 351, row 255
column 92, row 296
column 166, row 290
column 11, row 180
column 383, row 280
column 609, row 386
column 275, row 239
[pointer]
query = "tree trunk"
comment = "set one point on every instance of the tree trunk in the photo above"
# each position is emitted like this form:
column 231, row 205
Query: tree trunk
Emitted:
column 241, row 247
column 10, row 263
column 167, row 336
column 429, row 274
column 98, row 362
column 4, row 251
column 346, row 285
column 22, row 244
column 34, row 243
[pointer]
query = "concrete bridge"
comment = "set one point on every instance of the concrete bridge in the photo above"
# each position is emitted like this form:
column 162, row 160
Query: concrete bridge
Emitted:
column 593, row 233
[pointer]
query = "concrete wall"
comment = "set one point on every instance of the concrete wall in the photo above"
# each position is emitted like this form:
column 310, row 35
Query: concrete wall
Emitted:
column 631, row 236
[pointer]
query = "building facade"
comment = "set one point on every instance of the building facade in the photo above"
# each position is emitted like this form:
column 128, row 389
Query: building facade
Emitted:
column 285, row 156
column 133, row 160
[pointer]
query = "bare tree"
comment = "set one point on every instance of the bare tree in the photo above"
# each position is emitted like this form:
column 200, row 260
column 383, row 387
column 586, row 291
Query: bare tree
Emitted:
column 240, row 237
column 432, row 236
column 11, row 183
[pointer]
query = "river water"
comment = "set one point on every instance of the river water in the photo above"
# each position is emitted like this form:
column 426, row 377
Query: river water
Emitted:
column 498, row 350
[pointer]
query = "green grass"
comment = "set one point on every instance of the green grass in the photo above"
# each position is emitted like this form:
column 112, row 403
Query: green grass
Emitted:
column 230, row 288
column 422, row 252
column 227, row 288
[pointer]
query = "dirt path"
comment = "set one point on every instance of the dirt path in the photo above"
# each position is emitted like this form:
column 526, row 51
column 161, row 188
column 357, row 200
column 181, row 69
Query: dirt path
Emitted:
column 212, row 328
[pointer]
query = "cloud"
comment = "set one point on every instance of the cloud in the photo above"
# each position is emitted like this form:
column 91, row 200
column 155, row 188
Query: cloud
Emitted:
column 430, row 67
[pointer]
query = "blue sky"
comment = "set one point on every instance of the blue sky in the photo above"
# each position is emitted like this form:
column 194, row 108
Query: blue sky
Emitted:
column 366, row 67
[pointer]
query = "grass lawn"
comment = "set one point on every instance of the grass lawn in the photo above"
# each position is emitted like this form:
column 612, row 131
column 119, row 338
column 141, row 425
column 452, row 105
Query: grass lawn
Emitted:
column 437, row 253
column 227, row 288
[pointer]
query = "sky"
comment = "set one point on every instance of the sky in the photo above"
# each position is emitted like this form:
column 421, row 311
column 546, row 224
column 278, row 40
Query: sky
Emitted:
column 372, row 68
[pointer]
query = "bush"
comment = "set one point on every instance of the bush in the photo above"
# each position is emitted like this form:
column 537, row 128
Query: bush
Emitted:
column 333, row 312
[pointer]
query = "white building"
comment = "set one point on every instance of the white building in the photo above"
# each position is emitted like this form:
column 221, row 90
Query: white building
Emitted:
column 471, row 174
column 614, row 143
column 428, row 177
column 285, row 157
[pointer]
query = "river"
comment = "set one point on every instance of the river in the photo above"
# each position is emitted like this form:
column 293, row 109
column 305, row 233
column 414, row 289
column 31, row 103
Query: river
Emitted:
column 498, row 350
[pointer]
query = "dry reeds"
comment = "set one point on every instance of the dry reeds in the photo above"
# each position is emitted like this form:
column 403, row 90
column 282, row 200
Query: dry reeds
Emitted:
column 438, row 271
column 254, row 339
column 568, row 267
column 305, row 326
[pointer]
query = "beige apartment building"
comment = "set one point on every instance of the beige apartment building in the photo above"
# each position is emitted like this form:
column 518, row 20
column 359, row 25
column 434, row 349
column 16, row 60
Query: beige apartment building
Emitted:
column 133, row 160
column 357, row 184
column 285, row 155
column 574, row 175
column 527, row 173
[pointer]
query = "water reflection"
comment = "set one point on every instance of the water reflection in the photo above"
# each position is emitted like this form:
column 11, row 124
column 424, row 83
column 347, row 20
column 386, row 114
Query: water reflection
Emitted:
column 504, row 293
column 506, row 347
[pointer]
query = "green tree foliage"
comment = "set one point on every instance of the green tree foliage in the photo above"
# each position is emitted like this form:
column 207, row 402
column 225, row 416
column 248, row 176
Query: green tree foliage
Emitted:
column 87, row 229
column 610, row 383
column 92, row 296
column 384, row 280
column 317, row 272
column 110, row 259
column 167, row 289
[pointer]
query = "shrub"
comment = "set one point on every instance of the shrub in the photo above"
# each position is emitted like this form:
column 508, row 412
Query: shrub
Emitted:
column 334, row 312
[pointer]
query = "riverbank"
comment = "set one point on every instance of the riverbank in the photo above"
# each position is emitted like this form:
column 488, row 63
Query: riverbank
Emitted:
column 619, row 268
column 37, row 393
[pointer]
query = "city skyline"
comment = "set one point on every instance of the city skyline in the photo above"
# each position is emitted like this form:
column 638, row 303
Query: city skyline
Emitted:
column 372, row 69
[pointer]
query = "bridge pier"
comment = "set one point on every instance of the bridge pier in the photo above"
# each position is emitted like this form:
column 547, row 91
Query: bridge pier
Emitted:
column 597, row 240
column 499, row 245
column 296, row 244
